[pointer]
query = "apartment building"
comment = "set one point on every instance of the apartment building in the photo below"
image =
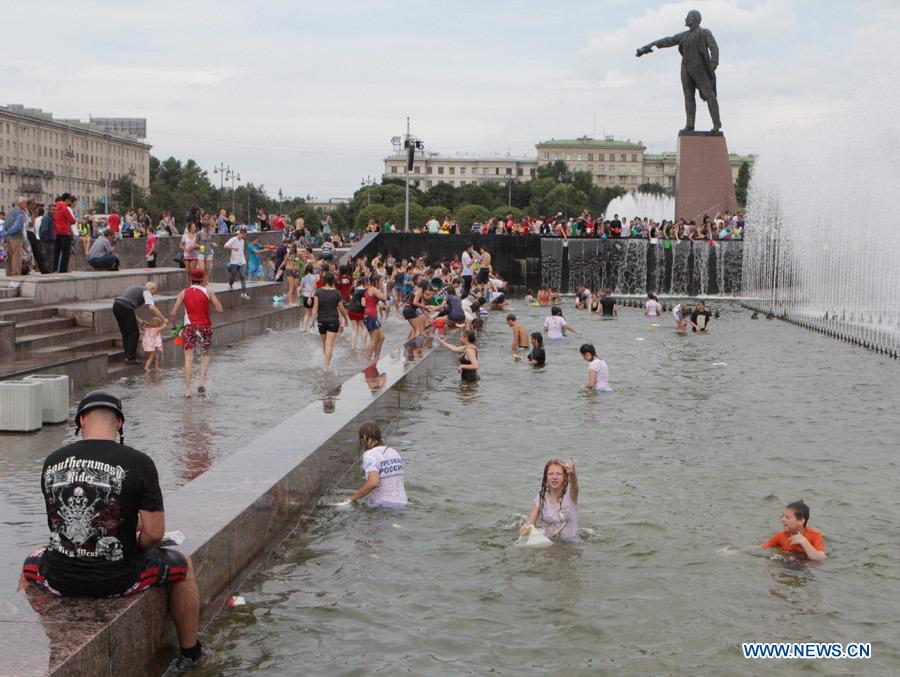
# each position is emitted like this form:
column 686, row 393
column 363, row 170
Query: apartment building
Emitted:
column 43, row 157
column 430, row 169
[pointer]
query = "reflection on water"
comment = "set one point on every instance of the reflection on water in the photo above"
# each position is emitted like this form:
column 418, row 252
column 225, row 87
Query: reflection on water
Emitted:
column 685, row 463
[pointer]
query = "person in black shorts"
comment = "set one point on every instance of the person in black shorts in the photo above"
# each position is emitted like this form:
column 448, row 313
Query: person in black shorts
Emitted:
column 608, row 303
column 106, row 519
column 328, row 311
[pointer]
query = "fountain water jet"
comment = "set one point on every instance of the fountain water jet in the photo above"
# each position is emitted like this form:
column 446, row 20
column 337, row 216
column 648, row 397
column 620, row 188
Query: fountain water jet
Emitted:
column 807, row 257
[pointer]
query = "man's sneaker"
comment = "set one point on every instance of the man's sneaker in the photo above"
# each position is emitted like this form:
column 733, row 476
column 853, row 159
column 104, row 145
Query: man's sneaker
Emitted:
column 231, row 287
column 245, row 296
column 183, row 664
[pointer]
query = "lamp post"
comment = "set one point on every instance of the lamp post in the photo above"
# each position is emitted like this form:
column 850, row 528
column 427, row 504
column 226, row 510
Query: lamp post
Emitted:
column 233, row 179
column 281, row 200
column 221, row 170
column 411, row 144
column 368, row 181
column 565, row 179
column 69, row 155
column 132, row 174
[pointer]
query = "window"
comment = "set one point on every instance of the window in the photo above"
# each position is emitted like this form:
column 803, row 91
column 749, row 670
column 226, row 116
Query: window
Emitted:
column 452, row 170
column 568, row 156
column 520, row 172
column 634, row 157
column 428, row 183
column 612, row 179
column 555, row 155
column 462, row 183
column 394, row 169
column 509, row 171
column 440, row 170
column 578, row 168
column 658, row 169
column 601, row 179
column 601, row 169
column 591, row 168
column 496, row 171
column 590, row 157
column 546, row 156
column 533, row 171
column 484, row 170
column 462, row 170
column 602, row 157
column 579, row 157
column 428, row 171
column 634, row 169
column 622, row 157
column 633, row 179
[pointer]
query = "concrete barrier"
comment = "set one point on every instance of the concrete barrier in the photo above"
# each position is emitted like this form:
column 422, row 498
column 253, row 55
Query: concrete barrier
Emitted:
column 21, row 406
column 233, row 516
column 54, row 396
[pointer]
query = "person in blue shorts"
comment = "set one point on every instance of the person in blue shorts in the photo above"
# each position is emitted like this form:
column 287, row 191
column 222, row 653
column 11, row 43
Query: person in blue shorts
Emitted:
column 255, row 269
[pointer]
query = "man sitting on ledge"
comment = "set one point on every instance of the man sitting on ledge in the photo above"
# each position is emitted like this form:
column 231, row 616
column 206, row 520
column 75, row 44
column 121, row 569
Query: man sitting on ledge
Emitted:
column 101, row 255
column 106, row 519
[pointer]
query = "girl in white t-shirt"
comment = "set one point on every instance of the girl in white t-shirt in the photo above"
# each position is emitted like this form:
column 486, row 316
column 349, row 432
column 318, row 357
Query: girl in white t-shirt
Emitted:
column 383, row 469
column 556, row 323
column 598, row 371
column 557, row 502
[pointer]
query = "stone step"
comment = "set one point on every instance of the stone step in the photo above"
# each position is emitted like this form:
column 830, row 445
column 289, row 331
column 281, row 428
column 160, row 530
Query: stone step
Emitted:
column 42, row 325
column 64, row 338
column 28, row 313
column 8, row 292
column 15, row 302
column 98, row 344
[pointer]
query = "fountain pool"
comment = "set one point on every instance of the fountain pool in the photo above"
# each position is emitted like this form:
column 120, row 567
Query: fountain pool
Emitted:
column 694, row 455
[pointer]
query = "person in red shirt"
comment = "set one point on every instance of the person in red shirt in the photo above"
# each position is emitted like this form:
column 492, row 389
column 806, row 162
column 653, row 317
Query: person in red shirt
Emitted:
column 197, row 331
column 113, row 221
column 278, row 222
column 63, row 221
column 797, row 537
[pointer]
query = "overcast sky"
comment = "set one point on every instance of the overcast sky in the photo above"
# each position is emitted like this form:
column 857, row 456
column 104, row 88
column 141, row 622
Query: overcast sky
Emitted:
column 305, row 96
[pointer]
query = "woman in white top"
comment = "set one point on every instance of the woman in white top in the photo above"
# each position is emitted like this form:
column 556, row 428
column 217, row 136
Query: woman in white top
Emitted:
column 190, row 247
column 383, row 468
column 307, row 291
column 653, row 307
column 556, row 323
column 598, row 371
column 557, row 502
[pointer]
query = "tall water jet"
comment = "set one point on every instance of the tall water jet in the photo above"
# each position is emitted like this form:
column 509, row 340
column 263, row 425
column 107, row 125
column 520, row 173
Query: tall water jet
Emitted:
column 656, row 207
column 822, row 246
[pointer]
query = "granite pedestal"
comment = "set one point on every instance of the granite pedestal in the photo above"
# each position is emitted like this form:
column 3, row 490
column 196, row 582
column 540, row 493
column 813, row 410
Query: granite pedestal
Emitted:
column 705, row 184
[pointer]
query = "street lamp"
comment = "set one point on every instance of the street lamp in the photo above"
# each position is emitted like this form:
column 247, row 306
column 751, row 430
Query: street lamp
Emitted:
column 281, row 200
column 231, row 175
column 221, row 170
column 132, row 174
column 368, row 181
column 69, row 155
column 565, row 179
column 411, row 144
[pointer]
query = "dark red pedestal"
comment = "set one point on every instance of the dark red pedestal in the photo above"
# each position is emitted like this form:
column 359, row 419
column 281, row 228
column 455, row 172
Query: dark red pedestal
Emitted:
column 704, row 184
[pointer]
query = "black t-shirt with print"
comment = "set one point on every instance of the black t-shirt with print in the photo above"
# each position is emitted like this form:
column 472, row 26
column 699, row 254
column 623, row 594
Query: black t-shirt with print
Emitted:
column 93, row 490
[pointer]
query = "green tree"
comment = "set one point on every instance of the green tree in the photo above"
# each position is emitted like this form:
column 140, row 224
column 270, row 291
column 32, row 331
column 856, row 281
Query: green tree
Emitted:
column 602, row 196
column 742, row 184
column 500, row 213
column 651, row 189
column 469, row 214
column 440, row 195
column 564, row 200
column 486, row 195
column 312, row 219
column 416, row 216
column 437, row 212
column 552, row 170
column 121, row 194
column 379, row 211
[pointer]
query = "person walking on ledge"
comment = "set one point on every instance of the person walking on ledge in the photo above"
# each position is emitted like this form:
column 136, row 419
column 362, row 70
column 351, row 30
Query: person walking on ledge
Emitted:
column 197, row 330
column 106, row 519
column 123, row 308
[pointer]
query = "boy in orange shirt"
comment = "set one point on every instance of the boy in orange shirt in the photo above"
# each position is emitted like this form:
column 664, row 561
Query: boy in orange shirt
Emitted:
column 797, row 537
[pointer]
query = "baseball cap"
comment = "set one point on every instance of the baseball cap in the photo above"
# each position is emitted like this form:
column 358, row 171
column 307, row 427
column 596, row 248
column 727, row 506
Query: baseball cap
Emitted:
column 197, row 275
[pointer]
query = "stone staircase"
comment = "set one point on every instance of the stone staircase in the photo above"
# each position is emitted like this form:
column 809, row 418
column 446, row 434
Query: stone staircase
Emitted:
column 80, row 337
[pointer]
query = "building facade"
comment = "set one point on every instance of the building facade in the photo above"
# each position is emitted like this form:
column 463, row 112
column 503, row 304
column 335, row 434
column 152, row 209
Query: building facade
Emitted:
column 610, row 161
column 430, row 169
column 42, row 157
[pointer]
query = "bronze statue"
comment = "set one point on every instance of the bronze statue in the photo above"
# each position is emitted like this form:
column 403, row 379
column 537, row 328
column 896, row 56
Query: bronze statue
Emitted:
column 699, row 60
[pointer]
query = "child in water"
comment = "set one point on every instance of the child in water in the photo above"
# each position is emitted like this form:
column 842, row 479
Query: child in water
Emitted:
column 556, row 502
column 383, row 469
column 598, row 371
column 152, row 341
column 797, row 537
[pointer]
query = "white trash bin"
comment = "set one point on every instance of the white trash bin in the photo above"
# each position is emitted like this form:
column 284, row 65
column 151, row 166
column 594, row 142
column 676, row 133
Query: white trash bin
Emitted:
column 55, row 396
column 21, row 406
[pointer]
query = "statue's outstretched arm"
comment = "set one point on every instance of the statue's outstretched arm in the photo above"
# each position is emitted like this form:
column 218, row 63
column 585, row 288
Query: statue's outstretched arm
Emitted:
column 661, row 43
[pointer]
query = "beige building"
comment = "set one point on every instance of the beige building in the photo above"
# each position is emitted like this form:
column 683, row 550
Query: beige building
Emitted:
column 430, row 169
column 43, row 157
column 610, row 161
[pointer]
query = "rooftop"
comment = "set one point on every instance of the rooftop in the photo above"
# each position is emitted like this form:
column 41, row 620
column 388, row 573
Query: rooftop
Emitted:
column 588, row 142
